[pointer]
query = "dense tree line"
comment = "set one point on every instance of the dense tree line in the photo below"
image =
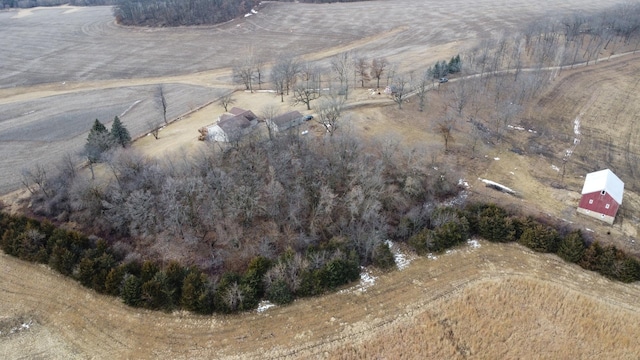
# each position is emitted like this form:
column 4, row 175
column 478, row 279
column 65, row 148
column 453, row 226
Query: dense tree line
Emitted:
column 185, row 12
column 104, row 269
column 327, row 266
column 448, row 227
column 34, row 3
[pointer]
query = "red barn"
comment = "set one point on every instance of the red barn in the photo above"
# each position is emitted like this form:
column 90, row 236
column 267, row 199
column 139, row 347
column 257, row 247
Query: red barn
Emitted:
column 601, row 195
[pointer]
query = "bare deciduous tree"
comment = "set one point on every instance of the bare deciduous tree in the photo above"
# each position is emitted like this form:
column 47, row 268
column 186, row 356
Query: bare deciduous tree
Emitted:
column 154, row 129
column 343, row 66
column 308, row 88
column 279, row 81
column 329, row 112
column 460, row 95
column 400, row 89
column 243, row 72
column 35, row 180
column 445, row 128
column 162, row 99
column 287, row 68
column 378, row 66
column 422, row 87
column 362, row 70
column 269, row 112
column 226, row 100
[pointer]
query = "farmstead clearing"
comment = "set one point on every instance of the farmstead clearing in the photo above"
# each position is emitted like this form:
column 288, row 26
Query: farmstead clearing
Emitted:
column 491, row 301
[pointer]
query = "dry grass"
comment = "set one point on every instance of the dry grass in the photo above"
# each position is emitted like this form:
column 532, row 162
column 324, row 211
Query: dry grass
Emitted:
column 509, row 318
column 497, row 301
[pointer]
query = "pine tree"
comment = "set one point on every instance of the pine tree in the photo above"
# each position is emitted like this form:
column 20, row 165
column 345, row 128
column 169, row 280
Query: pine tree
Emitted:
column 572, row 247
column 120, row 133
column 192, row 288
column 98, row 141
column 132, row 290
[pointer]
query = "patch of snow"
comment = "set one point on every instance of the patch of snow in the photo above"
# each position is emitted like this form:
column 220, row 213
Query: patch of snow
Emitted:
column 512, row 173
column 458, row 200
column 532, row 131
column 589, row 230
column 555, row 168
column 450, row 251
column 461, row 182
column 432, row 257
column 305, row 132
column 264, row 305
column 520, row 128
column 130, row 107
column 367, row 280
column 401, row 259
column 498, row 186
column 473, row 243
column 496, row 158
column 247, row 15
column 23, row 326
column 253, row 11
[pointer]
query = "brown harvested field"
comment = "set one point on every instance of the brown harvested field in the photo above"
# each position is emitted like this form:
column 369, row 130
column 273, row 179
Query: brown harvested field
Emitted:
column 495, row 301
column 89, row 54
column 498, row 301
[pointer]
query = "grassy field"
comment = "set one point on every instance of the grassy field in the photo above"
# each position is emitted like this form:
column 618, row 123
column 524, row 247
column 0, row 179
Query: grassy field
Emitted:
column 491, row 302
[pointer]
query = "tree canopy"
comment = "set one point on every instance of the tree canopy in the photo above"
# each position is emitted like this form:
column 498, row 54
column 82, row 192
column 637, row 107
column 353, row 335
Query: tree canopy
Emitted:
column 120, row 133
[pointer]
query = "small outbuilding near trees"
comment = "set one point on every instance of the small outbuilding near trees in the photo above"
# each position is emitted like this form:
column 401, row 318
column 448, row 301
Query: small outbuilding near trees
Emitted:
column 286, row 121
column 601, row 195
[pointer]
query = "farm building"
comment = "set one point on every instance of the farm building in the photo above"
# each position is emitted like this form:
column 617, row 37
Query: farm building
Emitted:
column 601, row 195
column 286, row 121
column 230, row 126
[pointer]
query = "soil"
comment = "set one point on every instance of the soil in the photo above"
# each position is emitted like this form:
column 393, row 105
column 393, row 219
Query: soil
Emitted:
column 66, row 320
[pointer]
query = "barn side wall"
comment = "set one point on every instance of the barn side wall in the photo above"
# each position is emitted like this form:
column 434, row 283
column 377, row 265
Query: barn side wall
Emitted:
column 595, row 205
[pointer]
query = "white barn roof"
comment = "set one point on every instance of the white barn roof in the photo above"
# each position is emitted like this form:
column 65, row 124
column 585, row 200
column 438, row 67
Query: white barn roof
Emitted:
column 604, row 180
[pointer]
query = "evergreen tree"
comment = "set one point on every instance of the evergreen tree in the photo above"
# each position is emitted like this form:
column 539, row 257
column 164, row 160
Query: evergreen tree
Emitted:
column 193, row 287
column 132, row 290
column 540, row 238
column 156, row 293
column 120, row 133
column 455, row 64
column 383, row 258
column 590, row 259
column 572, row 247
column 494, row 224
column 422, row 241
column 114, row 280
column 279, row 293
column 98, row 141
column 149, row 270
